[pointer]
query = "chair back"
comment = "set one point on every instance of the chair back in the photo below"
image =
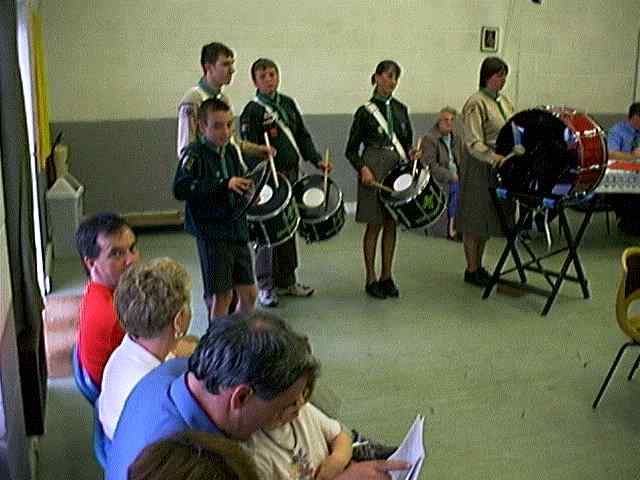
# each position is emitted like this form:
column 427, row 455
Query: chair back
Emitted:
column 101, row 444
column 629, row 292
column 89, row 390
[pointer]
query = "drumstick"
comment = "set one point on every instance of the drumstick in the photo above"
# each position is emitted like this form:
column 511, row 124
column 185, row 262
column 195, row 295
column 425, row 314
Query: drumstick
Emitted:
column 415, row 160
column 326, row 175
column 271, row 162
column 517, row 151
column 382, row 187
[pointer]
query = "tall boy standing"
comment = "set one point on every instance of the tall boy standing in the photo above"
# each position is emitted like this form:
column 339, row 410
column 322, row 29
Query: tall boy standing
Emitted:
column 217, row 62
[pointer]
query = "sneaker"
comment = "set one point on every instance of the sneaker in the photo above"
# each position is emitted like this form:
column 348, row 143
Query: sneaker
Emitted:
column 296, row 290
column 375, row 290
column 267, row 297
column 390, row 289
column 475, row 278
column 365, row 449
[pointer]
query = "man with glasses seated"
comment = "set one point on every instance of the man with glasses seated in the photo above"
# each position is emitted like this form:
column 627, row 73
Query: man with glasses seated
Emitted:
column 246, row 372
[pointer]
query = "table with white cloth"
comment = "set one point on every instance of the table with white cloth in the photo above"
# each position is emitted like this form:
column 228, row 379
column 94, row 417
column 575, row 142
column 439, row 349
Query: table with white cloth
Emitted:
column 620, row 177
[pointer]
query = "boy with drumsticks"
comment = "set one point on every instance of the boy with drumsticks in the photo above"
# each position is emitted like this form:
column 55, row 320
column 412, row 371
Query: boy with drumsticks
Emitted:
column 210, row 179
column 277, row 115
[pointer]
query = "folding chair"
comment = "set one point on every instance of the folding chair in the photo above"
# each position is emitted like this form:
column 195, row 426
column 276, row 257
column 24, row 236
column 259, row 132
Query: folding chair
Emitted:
column 628, row 292
column 91, row 392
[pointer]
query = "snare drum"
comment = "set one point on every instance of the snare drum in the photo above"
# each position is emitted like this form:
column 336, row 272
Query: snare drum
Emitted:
column 322, row 216
column 565, row 152
column 415, row 202
column 273, row 218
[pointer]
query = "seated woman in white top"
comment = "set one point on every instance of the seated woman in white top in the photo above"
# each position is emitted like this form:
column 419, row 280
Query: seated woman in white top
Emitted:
column 152, row 301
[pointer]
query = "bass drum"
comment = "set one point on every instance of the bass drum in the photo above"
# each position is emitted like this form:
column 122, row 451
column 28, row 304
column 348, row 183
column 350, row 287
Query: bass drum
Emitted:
column 273, row 217
column 565, row 153
column 321, row 215
column 415, row 202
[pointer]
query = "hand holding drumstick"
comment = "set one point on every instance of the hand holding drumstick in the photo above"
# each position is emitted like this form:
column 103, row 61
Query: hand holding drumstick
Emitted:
column 326, row 165
column 369, row 179
column 415, row 155
column 239, row 184
column 367, row 176
column 517, row 151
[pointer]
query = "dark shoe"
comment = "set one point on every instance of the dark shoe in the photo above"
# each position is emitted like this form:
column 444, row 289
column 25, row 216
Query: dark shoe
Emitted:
column 475, row 278
column 524, row 236
column 484, row 274
column 389, row 288
column 365, row 449
column 375, row 290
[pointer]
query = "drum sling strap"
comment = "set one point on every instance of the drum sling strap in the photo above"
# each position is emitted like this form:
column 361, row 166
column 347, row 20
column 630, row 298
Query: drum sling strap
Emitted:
column 245, row 169
column 283, row 126
column 375, row 111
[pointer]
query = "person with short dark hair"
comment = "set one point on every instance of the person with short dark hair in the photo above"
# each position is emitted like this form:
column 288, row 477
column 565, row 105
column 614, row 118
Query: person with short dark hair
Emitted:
column 193, row 456
column 245, row 372
column 152, row 300
column 623, row 142
column 278, row 116
column 210, row 178
column 483, row 115
column 107, row 247
column 381, row 136
column 623, row 139
column 217, row 62
column 442, row 149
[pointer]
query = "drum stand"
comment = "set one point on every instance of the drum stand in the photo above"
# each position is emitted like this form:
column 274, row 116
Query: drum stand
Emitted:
column 534, row 264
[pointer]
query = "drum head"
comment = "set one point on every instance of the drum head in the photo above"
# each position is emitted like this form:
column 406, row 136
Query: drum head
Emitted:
column 265, row 195
column 403, row 182
column 311, row 199
column 547, row 162
column 561, row 158
column 404, row 186
column 270, row 199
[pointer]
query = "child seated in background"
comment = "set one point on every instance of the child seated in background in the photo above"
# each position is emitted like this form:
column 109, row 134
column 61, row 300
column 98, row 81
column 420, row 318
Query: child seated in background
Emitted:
column 303, row 443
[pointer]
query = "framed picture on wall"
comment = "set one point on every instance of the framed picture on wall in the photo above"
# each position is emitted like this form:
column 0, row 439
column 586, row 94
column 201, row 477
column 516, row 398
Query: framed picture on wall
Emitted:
column 489, row 37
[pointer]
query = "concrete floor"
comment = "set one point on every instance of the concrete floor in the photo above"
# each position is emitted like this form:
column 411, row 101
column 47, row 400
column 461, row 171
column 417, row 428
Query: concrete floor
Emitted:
column 506, row 392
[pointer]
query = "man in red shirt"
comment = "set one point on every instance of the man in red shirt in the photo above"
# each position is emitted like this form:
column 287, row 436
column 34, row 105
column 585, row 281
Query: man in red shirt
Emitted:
column 107, row 247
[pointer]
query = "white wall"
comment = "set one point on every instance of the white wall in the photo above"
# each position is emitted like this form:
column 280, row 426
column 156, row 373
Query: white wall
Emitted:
column 123, row 59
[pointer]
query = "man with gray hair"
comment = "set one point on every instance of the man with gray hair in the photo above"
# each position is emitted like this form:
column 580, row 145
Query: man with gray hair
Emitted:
column 246, row 370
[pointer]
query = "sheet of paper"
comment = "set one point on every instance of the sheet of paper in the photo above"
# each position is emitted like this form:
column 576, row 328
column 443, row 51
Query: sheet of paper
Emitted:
column 412, row 451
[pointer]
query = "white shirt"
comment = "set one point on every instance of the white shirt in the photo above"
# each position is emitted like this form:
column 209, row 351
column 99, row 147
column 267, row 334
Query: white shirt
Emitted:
column 273, row 451
column 126, row 366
